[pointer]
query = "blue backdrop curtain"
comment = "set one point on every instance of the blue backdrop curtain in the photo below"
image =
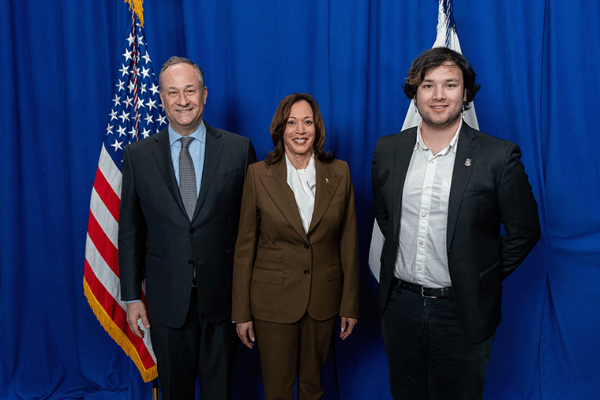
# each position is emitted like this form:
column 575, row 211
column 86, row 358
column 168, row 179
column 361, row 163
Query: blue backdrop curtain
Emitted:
column 537, row 62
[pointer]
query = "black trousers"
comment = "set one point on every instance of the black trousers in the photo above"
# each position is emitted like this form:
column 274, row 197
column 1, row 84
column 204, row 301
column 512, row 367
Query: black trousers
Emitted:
column 429, row 356
column 199, row 347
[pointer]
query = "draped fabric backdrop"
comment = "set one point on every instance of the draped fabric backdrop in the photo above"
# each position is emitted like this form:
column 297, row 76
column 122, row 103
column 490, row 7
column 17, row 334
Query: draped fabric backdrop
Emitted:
column 537, row 62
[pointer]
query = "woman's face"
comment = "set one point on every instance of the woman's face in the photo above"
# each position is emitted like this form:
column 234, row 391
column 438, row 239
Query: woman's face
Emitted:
column 299, row 134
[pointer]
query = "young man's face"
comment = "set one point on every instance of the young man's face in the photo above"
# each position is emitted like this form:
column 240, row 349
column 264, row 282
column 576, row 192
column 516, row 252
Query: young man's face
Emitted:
column 441, row 95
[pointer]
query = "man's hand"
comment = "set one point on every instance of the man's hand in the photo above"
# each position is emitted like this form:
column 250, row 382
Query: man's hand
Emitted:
column 136, row 311
column 347, row 326
column 245, row 331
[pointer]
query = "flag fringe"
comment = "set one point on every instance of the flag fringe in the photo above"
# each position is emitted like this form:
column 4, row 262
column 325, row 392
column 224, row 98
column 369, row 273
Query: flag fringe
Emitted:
column 138, row 7
column 118, row 335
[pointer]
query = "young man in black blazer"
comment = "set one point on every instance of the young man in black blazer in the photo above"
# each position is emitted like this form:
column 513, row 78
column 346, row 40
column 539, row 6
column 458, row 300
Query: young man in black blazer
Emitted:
column 441, row 192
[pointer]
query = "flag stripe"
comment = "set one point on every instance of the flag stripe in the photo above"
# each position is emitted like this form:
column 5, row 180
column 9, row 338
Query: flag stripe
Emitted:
column 101, row 269
column 107, row 195
column 112, row 174
column 104, row 247
column 104, row 218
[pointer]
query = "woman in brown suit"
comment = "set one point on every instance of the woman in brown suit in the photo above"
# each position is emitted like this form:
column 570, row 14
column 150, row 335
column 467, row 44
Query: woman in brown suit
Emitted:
column 296, row 263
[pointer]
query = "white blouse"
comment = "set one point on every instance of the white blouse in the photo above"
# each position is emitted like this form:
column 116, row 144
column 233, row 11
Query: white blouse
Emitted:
column 303, row 183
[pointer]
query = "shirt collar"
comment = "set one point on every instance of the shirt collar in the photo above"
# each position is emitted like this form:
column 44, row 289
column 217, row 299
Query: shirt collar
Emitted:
column 310, row 167
column 453, row 143
column 199, row 134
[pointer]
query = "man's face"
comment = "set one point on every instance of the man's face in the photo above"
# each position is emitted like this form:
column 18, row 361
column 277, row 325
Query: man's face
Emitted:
column 440, row 96
column 183, row 98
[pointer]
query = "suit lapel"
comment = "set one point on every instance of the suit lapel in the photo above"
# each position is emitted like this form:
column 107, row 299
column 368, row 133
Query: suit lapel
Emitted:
column 275, row 183
column 402, row 154
column 162, row 154
column 327, row 184
column 466, row 159
column 212, row 155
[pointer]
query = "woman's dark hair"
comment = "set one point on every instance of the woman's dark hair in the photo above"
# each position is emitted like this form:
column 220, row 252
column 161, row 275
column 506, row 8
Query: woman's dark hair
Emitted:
column 434, row 58
column 279, row 123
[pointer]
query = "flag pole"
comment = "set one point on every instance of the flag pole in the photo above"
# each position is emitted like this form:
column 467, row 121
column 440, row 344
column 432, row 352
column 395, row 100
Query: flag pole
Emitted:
column 155, row 389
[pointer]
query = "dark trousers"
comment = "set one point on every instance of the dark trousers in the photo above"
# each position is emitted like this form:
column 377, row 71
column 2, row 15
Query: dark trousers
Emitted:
column 289, row 350
column 429, row 356
column 199, row 347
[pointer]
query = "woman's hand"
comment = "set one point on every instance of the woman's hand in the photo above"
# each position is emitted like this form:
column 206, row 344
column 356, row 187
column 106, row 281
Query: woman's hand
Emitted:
column 347, row 326
column 245, row 331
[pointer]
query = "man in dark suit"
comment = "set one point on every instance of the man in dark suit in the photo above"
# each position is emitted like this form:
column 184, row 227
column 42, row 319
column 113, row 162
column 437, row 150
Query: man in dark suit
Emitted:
column 441, row 192
column 180, row 206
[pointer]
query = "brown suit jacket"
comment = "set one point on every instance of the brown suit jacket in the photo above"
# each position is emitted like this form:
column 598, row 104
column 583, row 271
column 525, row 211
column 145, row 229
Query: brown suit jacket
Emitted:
column 279, row 271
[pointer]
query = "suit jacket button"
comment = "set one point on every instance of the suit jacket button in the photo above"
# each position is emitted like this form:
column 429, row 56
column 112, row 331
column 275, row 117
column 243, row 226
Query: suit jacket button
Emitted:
column 192, row 231
column 306, row 246
column 306, row 272
column 191, row 262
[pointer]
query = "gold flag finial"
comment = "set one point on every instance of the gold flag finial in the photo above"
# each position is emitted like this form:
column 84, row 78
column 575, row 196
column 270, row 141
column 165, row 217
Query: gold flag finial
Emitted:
column 138, row 7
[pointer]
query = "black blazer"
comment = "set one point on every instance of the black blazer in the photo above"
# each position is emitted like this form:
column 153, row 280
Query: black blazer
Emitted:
column 489, row 188
column 158, row 241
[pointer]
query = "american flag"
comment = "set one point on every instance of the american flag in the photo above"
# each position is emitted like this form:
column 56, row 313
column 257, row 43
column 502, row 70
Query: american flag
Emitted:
column 136, row 113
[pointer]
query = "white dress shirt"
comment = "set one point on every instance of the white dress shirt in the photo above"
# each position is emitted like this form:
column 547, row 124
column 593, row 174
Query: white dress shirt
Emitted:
column 422, row 256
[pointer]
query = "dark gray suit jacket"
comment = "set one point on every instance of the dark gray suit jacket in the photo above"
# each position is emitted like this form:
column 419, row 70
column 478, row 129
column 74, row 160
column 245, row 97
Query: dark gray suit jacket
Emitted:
column 488, row 190
column 159, row 242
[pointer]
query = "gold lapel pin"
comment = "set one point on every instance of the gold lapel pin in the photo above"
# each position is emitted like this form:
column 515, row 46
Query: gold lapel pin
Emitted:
column 327, row 181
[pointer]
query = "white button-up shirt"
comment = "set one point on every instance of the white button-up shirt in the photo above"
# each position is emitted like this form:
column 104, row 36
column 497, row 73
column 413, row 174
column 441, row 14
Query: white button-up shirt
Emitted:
column 422, row 257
